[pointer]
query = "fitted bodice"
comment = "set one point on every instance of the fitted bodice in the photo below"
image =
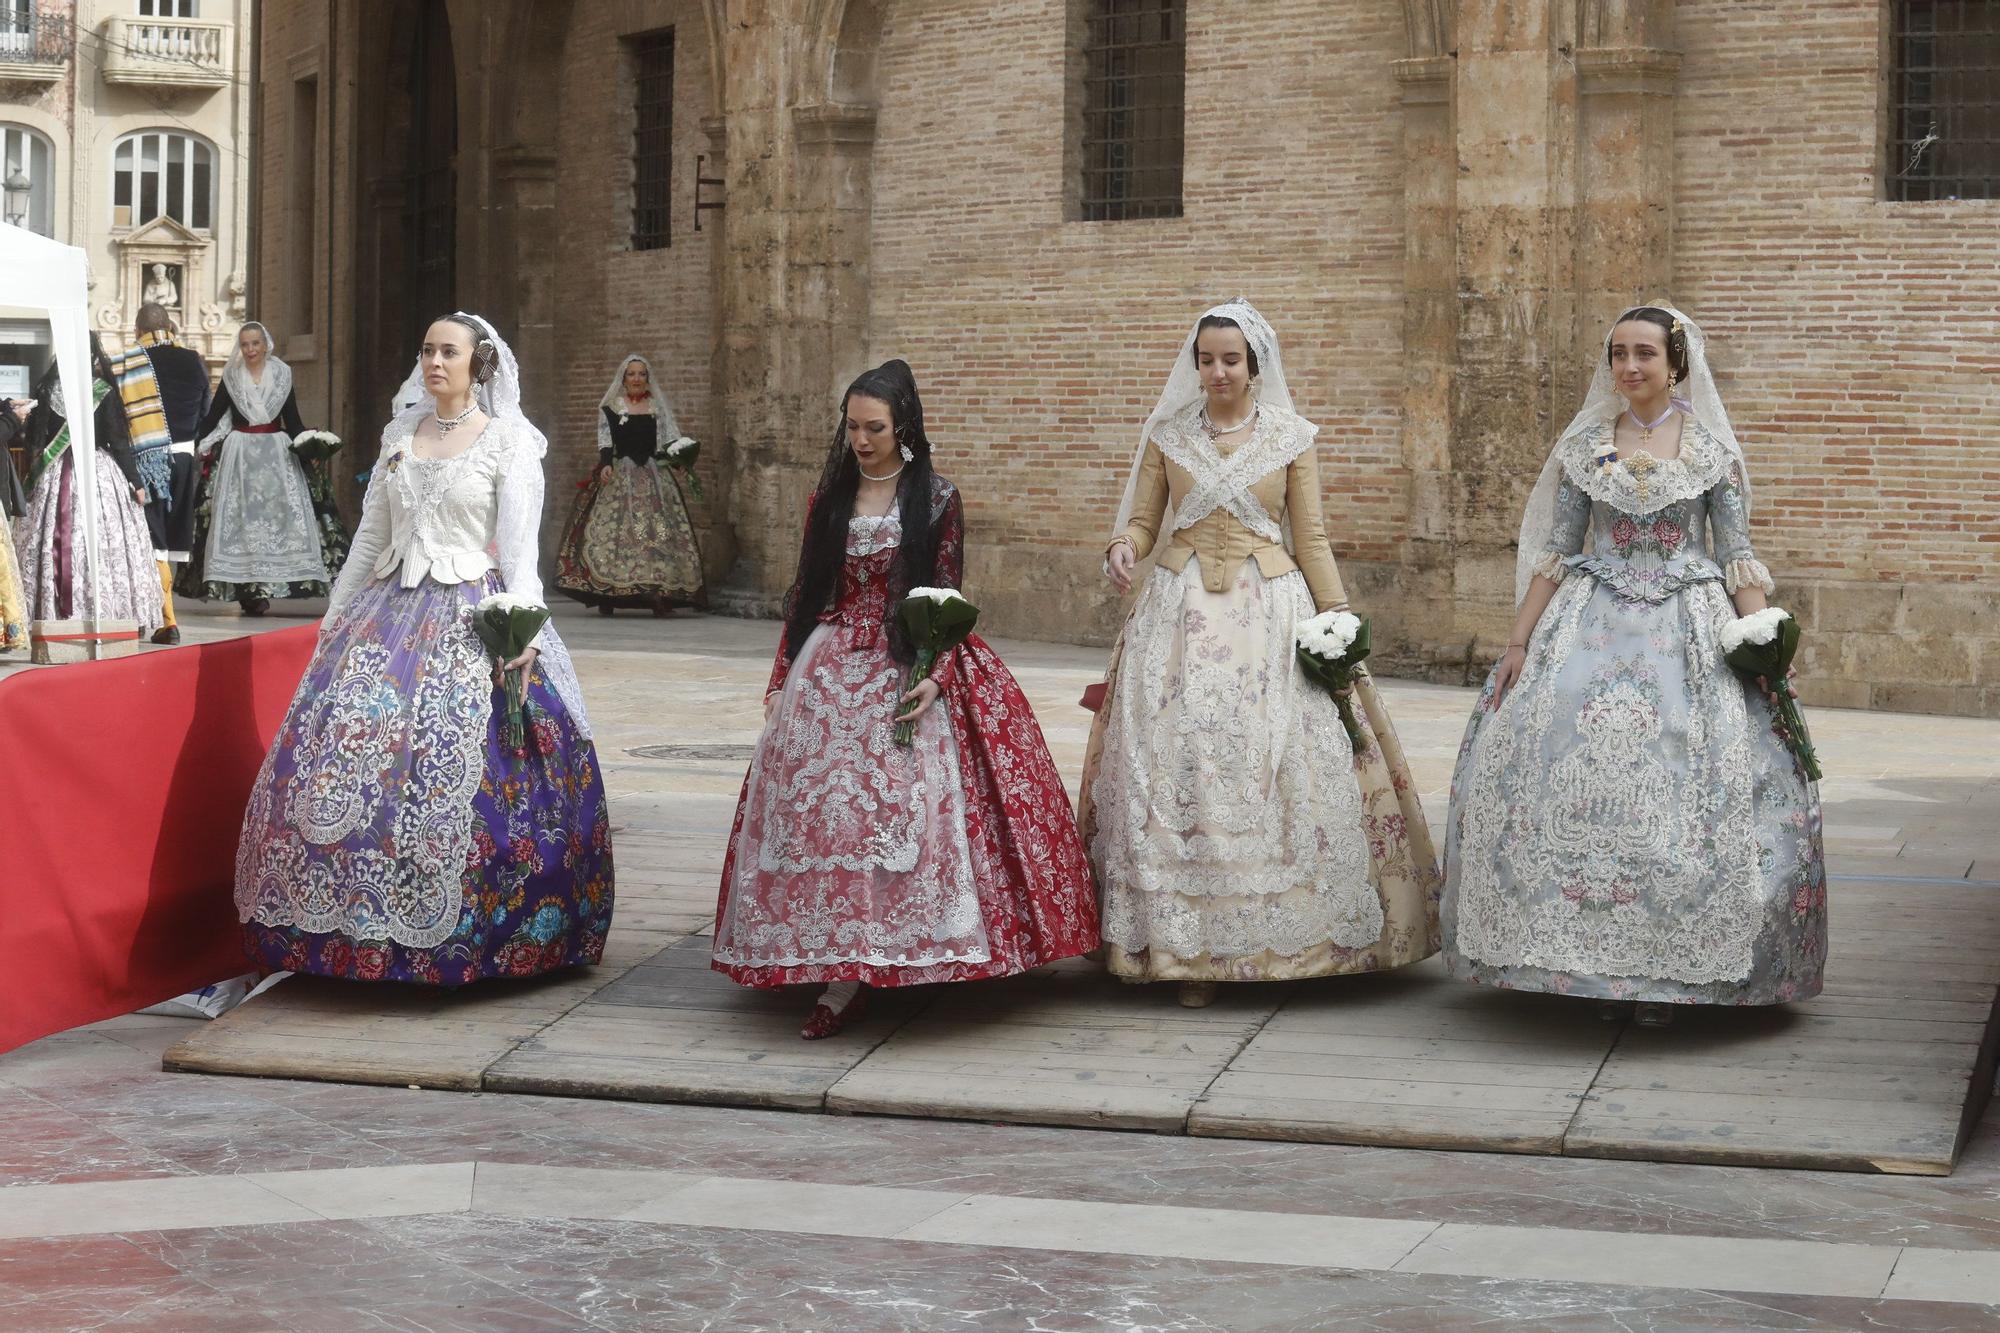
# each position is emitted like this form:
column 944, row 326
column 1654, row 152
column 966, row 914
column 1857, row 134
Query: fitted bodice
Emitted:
column 863, row 598
column 442, row 512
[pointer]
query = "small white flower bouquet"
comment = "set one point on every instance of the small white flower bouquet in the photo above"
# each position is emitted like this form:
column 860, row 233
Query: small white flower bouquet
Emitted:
column 681, row 455
column 937, row 621
column 313, row 445
column 1331, row 647
column 507, row 625
column 1762, row 645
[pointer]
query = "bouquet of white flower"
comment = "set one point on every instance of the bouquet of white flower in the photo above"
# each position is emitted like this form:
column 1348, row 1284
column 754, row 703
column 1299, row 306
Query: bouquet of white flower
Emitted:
column 507, row 625
column 313, row 445
column 937, row 621
column 1331, row 646
column 1762, row 645
column 681, row 456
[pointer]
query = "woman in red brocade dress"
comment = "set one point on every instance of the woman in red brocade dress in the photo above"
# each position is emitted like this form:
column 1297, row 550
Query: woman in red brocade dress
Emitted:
column 856, row 862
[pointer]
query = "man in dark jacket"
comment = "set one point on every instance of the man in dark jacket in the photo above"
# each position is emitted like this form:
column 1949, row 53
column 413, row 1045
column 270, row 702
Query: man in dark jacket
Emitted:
column 183, row 379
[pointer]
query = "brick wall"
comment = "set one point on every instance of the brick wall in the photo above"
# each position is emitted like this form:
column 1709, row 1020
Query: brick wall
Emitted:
column 1857, row 347
column 1042, row 344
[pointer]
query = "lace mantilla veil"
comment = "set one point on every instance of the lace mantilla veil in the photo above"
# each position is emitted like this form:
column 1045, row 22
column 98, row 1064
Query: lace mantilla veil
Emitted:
column 666, row 429
column 1184, row 392
column 249, row 395
column 1603, row 403
column 519, row 522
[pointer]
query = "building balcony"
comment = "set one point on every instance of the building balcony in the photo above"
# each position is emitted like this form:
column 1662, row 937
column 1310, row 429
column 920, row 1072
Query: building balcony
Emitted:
column 169, row 53
column 35, row 49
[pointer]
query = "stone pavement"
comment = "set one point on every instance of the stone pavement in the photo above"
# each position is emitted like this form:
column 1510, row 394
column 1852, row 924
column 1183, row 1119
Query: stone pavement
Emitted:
column 135, row 1198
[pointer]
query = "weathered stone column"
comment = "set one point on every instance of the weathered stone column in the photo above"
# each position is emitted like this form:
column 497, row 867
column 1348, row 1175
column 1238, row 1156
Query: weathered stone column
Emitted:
column 1514, row 273
column 1625, row 170
column 1430, row 321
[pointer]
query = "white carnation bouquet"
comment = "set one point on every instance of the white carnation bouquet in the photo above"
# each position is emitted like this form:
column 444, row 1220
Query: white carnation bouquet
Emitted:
column 507, row 625
column 681, row 456
column 1762, row 646
column 313, row 445
column 1331, row 647
column 937, row 621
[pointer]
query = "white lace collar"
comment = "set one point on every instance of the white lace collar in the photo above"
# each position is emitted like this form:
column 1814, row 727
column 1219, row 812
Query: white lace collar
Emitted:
column 1223, row 481
column 1649, row 487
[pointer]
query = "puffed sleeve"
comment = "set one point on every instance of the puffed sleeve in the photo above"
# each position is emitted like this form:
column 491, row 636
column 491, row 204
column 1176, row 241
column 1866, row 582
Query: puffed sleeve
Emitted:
column 1310, row 547
column 1729, row 519
column 1149, row 502
column 371, row 538
column 1566, row 537
column 517, row 532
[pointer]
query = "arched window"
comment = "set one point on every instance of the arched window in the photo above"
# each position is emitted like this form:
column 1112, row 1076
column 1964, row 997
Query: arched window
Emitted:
column 157, row 173
column 25, row 151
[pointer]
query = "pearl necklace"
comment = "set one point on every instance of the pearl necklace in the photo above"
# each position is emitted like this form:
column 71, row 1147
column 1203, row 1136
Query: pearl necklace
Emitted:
column 891, row 477
column 447, row 427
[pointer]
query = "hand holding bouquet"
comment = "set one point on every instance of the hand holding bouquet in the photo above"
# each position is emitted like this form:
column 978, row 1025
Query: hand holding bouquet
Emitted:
column 507, row 625
column 681, row 455
column 937, row 621
column 1762, row 645
column 1331, row 648
column 313, row 445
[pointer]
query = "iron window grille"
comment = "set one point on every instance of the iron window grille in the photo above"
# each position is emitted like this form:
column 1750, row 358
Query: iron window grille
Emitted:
column 1134, row 109
column 652, row 140
column 1945, row 100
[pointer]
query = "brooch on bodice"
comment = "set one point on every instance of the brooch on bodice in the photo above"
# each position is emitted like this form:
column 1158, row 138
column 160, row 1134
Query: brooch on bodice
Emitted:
column 1642, row 466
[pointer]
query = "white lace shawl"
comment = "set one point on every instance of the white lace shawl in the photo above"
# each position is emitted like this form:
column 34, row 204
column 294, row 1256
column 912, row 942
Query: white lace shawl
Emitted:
column 515, row 542
column 257, row 402
column 666, row 429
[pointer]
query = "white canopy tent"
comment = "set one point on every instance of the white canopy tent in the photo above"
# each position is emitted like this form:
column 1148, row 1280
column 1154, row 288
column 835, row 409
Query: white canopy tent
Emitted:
column 44, row 279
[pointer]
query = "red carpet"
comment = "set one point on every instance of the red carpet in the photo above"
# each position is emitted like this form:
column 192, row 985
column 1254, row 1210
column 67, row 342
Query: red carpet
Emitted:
column 122, row 788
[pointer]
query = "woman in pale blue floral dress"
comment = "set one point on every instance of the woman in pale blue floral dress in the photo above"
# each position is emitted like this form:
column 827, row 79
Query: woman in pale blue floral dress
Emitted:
column 1626, row 823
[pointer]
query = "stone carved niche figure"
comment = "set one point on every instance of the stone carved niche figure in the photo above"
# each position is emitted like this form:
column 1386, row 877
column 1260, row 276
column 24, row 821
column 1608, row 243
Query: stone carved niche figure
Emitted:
column 162, row 288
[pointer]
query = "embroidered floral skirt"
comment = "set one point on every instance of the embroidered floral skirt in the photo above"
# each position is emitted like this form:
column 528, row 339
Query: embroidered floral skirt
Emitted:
column 13, row 601
column 629, row 541
column 1627, row 825
column 49, row 542
column 853, row 858
column 1234, row 833
column 391, row 836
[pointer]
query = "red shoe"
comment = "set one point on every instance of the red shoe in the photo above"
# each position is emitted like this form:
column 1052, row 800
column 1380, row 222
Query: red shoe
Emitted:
column 822, row 1022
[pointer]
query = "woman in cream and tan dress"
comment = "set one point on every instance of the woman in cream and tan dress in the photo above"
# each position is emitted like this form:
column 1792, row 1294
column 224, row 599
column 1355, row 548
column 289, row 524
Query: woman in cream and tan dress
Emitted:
column 1235, row 833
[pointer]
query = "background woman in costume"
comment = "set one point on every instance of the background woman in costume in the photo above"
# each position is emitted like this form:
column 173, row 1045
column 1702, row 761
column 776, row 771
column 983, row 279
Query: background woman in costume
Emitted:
column 392, row 833
column 49, row 536
column 261, row 533
column 1625, row 822
column 855, row 861
column 629, row 541
column 1235, row 832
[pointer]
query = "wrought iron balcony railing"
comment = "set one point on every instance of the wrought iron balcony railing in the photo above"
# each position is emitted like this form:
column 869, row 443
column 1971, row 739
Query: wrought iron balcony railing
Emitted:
column 35, row 48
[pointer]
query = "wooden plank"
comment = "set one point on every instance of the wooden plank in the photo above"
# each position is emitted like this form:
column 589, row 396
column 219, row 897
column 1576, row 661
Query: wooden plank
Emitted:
column 1027, row 1050
column 673, row 1030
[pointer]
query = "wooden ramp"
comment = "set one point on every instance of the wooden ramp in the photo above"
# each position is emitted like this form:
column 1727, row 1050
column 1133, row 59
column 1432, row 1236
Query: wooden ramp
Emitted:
column 1886, row 1071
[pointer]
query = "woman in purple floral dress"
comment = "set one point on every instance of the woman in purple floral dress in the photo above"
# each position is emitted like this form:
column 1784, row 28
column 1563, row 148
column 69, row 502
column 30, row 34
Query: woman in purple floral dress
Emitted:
column 392, row 835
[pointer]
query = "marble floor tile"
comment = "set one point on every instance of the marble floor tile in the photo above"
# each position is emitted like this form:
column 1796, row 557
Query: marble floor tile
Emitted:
column 1641, row 1260
column 374, row 1191
column 1946, row 1275
column 788, row 1205
column 1230, row 1235
column 160, row 1203
column 514, row 1190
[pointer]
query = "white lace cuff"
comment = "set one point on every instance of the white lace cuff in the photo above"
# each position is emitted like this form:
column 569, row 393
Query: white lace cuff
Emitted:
column 1745, row 573
column 1551, row 566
